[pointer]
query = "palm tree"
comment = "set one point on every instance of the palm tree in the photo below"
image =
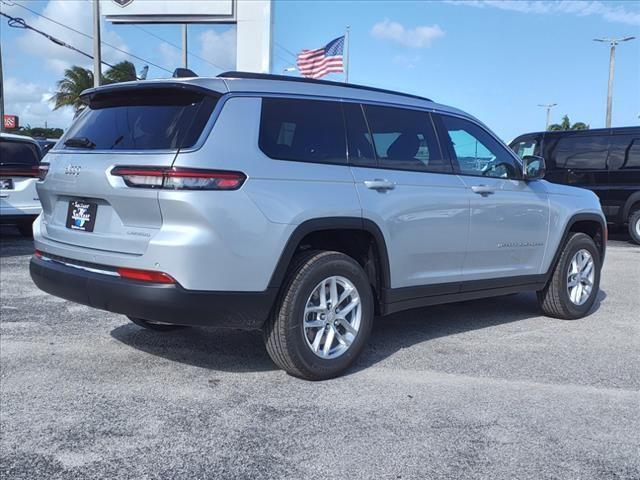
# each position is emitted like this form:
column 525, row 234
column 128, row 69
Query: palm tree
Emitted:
column 120, row 72
column 566, row 125
column 77, row 79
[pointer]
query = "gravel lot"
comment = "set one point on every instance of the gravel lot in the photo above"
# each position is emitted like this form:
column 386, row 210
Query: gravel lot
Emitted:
column 483, row 389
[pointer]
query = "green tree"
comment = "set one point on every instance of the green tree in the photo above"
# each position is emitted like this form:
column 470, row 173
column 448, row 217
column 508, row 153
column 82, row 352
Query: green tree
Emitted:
column 120, row 72
column 565, row 124
column 77, row 79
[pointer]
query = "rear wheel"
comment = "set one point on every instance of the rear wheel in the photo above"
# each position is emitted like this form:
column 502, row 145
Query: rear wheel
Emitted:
column 634, row 226
column 158, row 327
column 573, row 287
column 323, row 318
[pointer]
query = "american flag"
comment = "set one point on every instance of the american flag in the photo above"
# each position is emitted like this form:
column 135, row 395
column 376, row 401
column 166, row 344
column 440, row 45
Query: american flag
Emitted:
column 321, row 61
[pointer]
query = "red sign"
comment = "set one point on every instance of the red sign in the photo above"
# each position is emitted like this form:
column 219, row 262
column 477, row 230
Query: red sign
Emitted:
column 11, row 122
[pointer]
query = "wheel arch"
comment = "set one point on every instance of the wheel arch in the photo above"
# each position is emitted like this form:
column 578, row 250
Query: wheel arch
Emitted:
column 591, row 224
column 313, row 228
column 633, row 199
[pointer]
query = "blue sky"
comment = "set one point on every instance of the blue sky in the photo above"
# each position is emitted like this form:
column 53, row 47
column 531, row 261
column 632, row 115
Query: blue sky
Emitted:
column 496, row 60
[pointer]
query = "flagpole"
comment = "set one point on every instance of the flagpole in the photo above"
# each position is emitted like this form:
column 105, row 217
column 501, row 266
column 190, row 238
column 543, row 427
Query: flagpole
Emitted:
column 346, row 59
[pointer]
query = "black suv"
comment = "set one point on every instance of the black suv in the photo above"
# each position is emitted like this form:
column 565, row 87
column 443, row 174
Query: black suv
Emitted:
column 605, row 160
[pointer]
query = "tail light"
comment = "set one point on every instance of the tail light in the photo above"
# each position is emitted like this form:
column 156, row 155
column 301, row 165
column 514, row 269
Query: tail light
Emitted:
column 179, row 178
column 145, row 275
column 43, row 169
column 27, row 171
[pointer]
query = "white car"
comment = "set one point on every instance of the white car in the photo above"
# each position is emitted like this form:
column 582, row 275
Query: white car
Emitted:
column 19, row 168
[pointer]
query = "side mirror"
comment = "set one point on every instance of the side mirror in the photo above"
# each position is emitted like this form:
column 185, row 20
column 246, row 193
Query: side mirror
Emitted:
column 534, row 167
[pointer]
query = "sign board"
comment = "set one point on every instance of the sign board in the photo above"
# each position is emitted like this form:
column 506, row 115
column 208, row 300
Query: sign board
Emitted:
column 164, row 11
column 11, row 122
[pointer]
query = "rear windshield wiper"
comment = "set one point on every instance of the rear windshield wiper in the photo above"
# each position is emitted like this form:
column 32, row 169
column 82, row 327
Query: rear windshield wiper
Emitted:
column 79, row 142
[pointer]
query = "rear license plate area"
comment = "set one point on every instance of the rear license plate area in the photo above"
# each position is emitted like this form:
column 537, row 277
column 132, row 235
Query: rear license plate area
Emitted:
column 81, row 215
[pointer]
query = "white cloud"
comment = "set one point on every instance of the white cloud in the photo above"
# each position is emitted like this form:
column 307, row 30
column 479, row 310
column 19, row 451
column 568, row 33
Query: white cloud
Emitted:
column 31, row 103
column 418, row 37
column 76, row 14
column 219, row 47
column 607, row 10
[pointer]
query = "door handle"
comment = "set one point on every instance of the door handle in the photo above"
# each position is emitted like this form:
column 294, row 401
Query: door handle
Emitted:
column 379, row 185
column 483, row 190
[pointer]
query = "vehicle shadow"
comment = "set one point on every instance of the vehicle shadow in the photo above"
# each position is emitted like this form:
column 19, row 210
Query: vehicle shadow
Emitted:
column 234, row 350
column 405, row 329
column 13, row 244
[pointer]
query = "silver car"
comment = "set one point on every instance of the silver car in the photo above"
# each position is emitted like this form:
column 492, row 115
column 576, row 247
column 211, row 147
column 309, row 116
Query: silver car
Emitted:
column 303, row 208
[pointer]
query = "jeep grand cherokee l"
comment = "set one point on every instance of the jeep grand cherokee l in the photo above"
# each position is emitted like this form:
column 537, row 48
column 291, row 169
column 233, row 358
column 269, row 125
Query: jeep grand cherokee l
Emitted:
column 302, row 208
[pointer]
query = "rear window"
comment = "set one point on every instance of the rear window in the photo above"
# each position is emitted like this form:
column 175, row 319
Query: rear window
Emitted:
column 154, row 119
column 303, row 130
column 15, row 154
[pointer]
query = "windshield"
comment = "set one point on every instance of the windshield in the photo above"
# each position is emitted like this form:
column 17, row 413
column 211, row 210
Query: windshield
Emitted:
column 154, row 119
column 525, row 147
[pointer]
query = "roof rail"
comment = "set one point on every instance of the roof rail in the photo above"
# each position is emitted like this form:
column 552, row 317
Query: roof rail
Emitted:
column 269, row 76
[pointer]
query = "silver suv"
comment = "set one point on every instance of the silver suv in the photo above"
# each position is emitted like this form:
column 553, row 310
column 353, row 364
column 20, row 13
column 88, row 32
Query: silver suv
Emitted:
column 302, row 208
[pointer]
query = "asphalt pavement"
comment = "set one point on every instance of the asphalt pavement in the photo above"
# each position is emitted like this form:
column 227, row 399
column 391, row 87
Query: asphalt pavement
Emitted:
column 486, row 389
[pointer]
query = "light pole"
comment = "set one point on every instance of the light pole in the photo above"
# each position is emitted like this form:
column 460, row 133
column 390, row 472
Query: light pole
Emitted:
column 289, row 69
column 185, row 40
column 548, row 106
column 612, row 56
column 97, row 60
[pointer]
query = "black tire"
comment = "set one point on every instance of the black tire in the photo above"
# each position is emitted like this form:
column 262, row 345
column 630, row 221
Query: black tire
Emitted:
column 26, row 229
column 634, row 226
column 284, row 334
column 158, row 327
column 554, row 298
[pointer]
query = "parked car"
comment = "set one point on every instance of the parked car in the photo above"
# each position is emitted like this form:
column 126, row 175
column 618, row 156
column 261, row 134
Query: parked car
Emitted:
column 19, row 162
column 302, row 208
column 46, row 144
column 604, row 160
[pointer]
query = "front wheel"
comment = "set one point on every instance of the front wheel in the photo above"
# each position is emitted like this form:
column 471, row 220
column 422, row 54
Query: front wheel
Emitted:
column 574, row 285
column 634, row 226
column 323, row 318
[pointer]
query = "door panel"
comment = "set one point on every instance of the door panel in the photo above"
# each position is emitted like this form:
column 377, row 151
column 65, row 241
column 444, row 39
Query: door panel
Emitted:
column 624, row 175
column 509, row 217
column 508, row 228
column 424, row 219
column 410, row 192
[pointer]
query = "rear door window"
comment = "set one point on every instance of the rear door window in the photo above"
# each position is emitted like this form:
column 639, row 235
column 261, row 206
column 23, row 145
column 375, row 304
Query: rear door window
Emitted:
column 303, row 130
column 582, row 152
column 405, row 139
column 624, row 152
column 17, row 155
column 153, row 119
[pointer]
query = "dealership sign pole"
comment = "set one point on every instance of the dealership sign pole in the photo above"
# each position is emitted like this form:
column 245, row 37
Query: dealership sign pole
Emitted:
column 97, row 61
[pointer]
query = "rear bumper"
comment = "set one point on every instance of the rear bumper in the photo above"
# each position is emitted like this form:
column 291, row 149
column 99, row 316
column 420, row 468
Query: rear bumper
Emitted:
column 156, row 302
